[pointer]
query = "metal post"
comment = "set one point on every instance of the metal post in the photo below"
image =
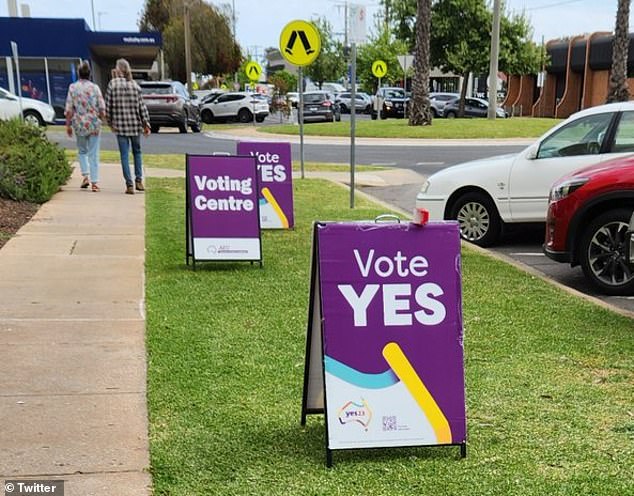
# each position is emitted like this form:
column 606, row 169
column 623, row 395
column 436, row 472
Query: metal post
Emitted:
column 301, row 121
column 16, row 57
column 92, row 5
column 493, row 67
column 379, row 103
column 353, row 118
column 188, row 54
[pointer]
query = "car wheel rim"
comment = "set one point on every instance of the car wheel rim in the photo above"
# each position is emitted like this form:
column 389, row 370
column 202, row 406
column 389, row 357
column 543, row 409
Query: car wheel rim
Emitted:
column 606, row 255
column 474, row 221
column 32, row 120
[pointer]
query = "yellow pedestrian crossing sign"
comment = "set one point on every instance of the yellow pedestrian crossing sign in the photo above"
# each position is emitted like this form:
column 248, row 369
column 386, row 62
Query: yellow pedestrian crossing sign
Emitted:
column 379, row 68
column 300, row 42
column 253, row 70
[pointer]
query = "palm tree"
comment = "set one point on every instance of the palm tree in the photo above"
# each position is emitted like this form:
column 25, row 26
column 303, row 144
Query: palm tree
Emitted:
column 420, row 112
column 619, row 91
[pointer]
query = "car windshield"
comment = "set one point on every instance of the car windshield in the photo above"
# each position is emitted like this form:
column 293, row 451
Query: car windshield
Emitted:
column 394, row 94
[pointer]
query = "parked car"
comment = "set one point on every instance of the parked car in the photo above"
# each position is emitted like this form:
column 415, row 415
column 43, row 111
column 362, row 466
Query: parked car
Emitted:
column 590, row 211
column 473, row 107
column 363, row 102
column 321, row 105
column 238, row 105
column 391, row 101
column 485, row 195
column 438, row 100
column 34, row 111
column 170, row 105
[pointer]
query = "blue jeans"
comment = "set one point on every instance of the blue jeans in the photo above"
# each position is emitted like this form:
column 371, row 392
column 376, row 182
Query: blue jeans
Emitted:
column 124, row 150
column 88, row 147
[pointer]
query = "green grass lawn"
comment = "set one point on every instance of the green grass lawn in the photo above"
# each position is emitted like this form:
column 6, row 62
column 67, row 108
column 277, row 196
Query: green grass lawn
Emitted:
column 550, row 378
column 516, row 127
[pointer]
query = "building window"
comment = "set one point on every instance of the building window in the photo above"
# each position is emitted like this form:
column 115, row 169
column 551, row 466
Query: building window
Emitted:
column 33, row 79
column 61, row 73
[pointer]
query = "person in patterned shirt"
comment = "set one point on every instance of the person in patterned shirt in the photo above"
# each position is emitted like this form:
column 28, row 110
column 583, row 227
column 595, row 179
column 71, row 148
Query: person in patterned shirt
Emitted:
column 128, row 117
column 85, row 108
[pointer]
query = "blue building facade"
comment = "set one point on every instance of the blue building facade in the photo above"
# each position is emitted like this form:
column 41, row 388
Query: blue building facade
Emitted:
column 50, row 50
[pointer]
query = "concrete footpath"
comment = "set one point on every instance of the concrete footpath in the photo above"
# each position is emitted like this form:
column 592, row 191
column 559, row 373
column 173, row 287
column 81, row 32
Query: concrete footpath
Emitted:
column 72, row 323
column 72, row 331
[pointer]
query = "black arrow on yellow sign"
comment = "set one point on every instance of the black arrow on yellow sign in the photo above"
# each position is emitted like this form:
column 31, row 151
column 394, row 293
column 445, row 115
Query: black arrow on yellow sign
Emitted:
column 303, row 38
column 254, row 69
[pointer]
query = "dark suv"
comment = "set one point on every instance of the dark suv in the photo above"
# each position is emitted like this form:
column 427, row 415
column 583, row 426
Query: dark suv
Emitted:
column 170, row 105
column 590, row 220
column 321, row 105
column 391, row 101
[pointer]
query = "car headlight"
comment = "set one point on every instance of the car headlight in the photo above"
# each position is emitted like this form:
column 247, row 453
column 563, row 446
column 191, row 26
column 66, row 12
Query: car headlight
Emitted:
column 562, row 190
column 388, row 104
column 425, row 187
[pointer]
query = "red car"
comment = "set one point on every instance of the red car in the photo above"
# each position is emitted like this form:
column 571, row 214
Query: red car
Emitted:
column 590, row 222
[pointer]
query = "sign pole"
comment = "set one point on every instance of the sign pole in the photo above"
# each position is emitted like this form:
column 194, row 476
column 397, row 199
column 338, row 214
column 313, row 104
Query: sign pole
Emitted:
column 301, row 120
column 379, row 103
column 353, row 119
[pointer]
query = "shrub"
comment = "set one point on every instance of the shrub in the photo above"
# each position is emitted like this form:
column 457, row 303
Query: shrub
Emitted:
column 31, row 167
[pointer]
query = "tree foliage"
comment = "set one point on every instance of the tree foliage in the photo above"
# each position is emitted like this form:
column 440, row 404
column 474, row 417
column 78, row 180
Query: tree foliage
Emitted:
column 330, row 65
column 283, row 81
column 213, row 48
column 380, row 46
column 401, row 16
column 461, row 35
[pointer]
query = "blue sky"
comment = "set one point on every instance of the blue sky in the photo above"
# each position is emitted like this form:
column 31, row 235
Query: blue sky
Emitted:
column 259, row 22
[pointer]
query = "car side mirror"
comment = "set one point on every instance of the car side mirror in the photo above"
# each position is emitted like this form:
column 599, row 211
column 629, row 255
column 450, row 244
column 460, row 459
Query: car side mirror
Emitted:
column 531, row 153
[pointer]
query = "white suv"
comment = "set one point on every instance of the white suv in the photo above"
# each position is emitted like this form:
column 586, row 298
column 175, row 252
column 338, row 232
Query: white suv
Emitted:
column 34, row 111
column 238, row 105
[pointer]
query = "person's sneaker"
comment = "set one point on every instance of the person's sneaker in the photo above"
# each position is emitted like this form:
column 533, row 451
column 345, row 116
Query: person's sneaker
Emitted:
column 139, row 185
column 85, row 182
column 129, row 190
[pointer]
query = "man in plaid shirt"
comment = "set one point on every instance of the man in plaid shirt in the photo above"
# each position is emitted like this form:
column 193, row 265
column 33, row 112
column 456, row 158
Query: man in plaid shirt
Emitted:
column 128, row 117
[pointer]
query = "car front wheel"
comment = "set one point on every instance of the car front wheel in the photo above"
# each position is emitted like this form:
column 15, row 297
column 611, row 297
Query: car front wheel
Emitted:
column 245, row 116
column 207, row 116
column 478, row 219
column 33, row 118
column 602, row 253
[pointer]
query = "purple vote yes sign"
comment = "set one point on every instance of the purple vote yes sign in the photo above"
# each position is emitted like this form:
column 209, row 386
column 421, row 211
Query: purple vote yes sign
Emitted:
column 391, row 306
column 275, row 171
column 222, row 201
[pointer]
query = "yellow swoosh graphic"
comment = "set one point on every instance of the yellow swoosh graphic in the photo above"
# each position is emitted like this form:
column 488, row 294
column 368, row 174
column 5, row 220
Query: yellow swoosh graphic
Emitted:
column 405, row 372
column 276, row 206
